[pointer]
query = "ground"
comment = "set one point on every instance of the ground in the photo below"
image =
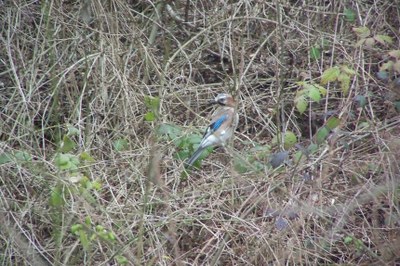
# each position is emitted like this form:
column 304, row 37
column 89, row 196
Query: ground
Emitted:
column 102, row 102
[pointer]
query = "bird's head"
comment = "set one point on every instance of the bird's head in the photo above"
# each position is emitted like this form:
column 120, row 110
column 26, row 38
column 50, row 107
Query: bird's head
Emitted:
column 224, row 99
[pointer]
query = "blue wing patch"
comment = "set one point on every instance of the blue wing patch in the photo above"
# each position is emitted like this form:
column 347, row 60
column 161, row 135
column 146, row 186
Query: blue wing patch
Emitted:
column 214, row 126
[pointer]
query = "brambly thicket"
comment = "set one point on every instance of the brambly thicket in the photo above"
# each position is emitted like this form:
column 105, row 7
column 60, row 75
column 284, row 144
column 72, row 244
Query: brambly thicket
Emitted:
column 103, row 101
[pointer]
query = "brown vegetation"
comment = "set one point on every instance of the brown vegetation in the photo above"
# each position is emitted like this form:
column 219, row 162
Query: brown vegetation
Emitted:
column 87, row 178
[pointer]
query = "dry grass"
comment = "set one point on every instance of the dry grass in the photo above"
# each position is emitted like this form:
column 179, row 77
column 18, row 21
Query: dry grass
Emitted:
column 91, row 65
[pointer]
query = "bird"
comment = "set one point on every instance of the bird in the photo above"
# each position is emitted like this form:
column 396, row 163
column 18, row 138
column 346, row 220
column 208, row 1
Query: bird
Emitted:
column 223, row 123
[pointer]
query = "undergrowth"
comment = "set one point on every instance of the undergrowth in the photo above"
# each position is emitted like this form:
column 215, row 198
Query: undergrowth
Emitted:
column 103, row 101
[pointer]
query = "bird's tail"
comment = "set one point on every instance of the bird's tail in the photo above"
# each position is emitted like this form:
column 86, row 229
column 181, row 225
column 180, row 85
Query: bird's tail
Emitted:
column 195, row 156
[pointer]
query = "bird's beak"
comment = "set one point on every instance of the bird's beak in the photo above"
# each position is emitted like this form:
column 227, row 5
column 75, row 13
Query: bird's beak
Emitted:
column 212, row 102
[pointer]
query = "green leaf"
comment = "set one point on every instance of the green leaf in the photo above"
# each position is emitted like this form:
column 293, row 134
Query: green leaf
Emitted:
column 92, row 237
column 67, row 144
column 96, row 185
column 241, row 166
column 182, row 155
column 121, row 145
column 315, row 53
column 322, row 134
column 22, row 156
column 348, row 240
column 359, row 244
column 332, row 123
column 314, row 93
column 194, row 139
column 57, row 196
column 347, row 70
column 18, row 156
column 149, row 117
column 111, row 236
column 172, row 131
column 85, row 156
column 260, row 152
column 300, row 93
column 5, row 158
column 83, row 237
column 181, row 142
column 362, row 32
column 99, row 228
column 103, row 234
column 344, row 80
column 310, row 90
column 312, row 148
column 72, row 130
column 349, row 15
column 88, row 220
column 363, row 125
column 152, row 103
column 387, row 66
column 62, row 159
column 329, row 75
column 361, row 100
column 301, row 104
column 66, row 161
column 321, row 89
column 297, row 156
column 84, row 181
column 184, row 175
column 121, row 260
column 383, row 39
column 75, row 228
column 290, row 140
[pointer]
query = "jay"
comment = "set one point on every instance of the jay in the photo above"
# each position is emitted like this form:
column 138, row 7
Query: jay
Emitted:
column 222, row 126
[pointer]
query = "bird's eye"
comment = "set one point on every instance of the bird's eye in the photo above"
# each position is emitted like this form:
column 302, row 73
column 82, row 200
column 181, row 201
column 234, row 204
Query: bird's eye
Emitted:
column 222, row 99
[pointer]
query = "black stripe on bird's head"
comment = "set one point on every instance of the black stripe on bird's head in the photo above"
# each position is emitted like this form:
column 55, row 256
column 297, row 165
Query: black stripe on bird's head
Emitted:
column 224, row 99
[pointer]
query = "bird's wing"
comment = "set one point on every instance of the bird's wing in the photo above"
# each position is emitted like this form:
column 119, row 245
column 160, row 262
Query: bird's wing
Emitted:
column 215, row 125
